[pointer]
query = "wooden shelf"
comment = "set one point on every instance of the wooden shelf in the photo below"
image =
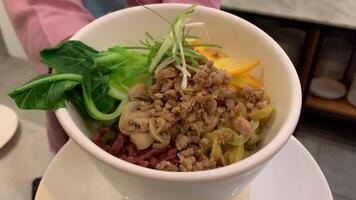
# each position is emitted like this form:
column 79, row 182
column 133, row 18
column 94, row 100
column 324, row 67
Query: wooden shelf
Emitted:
column 339, row 106
column 315, row 32
column 308, row 60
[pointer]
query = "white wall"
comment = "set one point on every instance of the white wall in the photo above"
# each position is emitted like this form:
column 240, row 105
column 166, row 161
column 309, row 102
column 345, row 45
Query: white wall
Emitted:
column 13, row 45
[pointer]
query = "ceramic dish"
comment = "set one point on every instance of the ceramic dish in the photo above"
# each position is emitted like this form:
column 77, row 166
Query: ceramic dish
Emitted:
column 327, row 88
column 239, row 39
column 85, row 181
column 9, row 123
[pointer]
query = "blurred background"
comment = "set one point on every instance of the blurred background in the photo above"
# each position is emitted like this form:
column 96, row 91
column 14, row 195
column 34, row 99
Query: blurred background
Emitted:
column 319, row 37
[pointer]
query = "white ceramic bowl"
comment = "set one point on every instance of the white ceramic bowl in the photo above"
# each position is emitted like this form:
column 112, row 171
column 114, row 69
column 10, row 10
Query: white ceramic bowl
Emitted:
column 239, row 38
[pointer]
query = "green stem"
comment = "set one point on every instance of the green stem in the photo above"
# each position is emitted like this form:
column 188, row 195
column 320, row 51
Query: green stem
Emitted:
column 193, row 68
column 206, row 45
column 168, row 42
column 47, row 79
column 116, row 94
column 107, row 57
column 97, row 114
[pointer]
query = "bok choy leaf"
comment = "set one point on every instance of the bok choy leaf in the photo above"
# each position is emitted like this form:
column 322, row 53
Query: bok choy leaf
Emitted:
column 104, row 78
column 46, row 92
column 97, row 82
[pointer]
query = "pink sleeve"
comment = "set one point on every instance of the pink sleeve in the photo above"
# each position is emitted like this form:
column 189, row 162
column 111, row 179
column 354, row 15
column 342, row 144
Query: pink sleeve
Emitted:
column 209, row 3
column 44, row 23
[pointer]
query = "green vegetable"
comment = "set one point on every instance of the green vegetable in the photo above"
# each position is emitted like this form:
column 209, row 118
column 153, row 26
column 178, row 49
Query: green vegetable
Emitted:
column 238, row 140
column 236, row 153
column 261, row 113
column 227, row 136
column 224, row 159
column 104, row 78
column 46, row 92
column 226, row 145
column 97, row 82
column 69, row 57
column 255, row 137
column 75, row 97
column 216, row 151
column 175, row 47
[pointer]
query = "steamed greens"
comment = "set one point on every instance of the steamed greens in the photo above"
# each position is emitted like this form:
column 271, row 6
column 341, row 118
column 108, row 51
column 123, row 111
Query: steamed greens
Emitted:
column 97, row 80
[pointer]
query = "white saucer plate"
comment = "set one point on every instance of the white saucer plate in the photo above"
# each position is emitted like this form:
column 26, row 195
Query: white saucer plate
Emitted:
column 8, row 124
column 292, row 174
column 327, row 88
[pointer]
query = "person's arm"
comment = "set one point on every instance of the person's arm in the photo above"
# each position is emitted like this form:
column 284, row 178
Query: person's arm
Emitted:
column 209, row 3
column 44, row 23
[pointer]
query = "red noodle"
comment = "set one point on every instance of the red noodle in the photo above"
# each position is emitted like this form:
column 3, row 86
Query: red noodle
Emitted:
column 117, row 145
column 122, row 148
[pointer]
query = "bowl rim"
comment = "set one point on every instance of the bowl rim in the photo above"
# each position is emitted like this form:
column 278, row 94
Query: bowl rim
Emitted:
column 247, row 164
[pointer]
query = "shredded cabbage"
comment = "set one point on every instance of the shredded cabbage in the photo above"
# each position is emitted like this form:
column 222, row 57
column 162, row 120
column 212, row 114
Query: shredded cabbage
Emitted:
column 216, row 151
column 236, row 153
column 226, row 145
column 261, row 113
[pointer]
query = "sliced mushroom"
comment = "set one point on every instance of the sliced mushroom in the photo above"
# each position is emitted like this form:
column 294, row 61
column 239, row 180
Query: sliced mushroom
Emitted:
column 138, row 92
column 166, row 138
column 132, row 119
column 141, row 140
column 156, row 127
